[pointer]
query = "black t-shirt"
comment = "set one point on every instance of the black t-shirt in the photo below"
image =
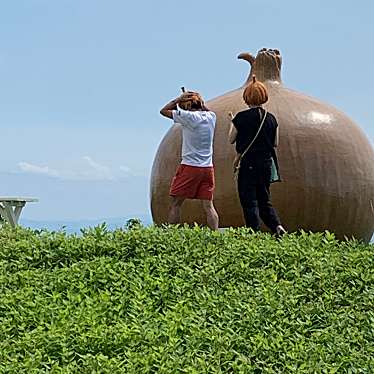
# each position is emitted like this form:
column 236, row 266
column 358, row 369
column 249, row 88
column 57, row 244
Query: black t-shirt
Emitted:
column 247, row 124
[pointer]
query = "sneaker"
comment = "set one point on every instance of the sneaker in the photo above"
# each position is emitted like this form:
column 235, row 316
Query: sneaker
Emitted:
column 280, row 231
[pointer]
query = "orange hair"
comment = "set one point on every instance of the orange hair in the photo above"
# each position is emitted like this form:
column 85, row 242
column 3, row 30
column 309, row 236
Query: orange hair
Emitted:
column 255, row 93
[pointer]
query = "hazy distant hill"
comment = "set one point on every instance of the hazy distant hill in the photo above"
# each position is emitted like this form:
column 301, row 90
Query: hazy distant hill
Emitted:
column 75, row 226
column 72, row 200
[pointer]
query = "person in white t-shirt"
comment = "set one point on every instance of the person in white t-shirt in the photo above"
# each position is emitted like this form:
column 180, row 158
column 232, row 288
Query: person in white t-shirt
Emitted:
column 194, row 178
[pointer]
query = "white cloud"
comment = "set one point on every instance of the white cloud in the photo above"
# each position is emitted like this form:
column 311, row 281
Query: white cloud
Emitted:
column 98, row 171
column 85, row 168
column 89, row 170
column 126, row 170
column 36, row 169
column 130, row 172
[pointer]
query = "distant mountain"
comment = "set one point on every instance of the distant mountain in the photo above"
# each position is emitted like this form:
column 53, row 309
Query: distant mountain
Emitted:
column 73, row 199
column 74, row 227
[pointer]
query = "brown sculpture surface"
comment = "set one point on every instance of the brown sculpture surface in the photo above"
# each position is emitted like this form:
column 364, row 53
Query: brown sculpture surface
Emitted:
column 326, row 162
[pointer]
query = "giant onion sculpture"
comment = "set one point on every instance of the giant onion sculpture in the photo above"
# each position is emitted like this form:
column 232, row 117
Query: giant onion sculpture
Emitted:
column 326, row 162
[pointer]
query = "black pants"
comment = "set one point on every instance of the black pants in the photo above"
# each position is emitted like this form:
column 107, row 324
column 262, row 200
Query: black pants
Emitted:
column 254, row 194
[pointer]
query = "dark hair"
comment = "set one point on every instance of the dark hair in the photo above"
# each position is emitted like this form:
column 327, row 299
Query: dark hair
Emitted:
column 196, row 104
column 192, row 101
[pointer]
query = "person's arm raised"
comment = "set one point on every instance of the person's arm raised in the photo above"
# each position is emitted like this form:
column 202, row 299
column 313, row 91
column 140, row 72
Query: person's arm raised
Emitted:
column 167, row 110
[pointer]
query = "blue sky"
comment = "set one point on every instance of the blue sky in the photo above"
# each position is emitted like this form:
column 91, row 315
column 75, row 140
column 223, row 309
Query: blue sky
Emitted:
column 82, row 82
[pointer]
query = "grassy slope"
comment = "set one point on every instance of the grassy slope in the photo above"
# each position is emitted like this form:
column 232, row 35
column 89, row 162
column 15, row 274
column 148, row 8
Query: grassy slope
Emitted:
column 184, row 300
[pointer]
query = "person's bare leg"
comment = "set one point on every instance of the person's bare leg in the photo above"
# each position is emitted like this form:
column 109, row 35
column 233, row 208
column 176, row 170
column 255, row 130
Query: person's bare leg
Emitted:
column 211, row 215
column 175, row 209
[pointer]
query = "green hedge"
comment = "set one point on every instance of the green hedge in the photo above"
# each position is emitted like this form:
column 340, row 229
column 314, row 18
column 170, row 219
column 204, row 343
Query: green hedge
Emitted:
column 185, row 300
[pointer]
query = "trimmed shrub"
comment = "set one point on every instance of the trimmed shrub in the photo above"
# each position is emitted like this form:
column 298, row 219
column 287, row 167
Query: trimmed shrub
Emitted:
column 184, row 300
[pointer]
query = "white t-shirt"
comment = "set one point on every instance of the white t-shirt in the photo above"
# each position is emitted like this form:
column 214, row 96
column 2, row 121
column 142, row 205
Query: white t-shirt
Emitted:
column 198, row 131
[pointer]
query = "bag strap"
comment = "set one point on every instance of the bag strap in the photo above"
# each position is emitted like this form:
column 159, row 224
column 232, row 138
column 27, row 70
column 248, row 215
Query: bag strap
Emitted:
column 253, row 140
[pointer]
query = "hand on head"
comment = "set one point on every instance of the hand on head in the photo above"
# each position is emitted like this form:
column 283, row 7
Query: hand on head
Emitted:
column 189, row 95
column 190, row 100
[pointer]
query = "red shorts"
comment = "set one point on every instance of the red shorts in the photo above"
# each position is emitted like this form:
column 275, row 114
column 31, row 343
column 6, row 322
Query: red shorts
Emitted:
column 193, row 182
